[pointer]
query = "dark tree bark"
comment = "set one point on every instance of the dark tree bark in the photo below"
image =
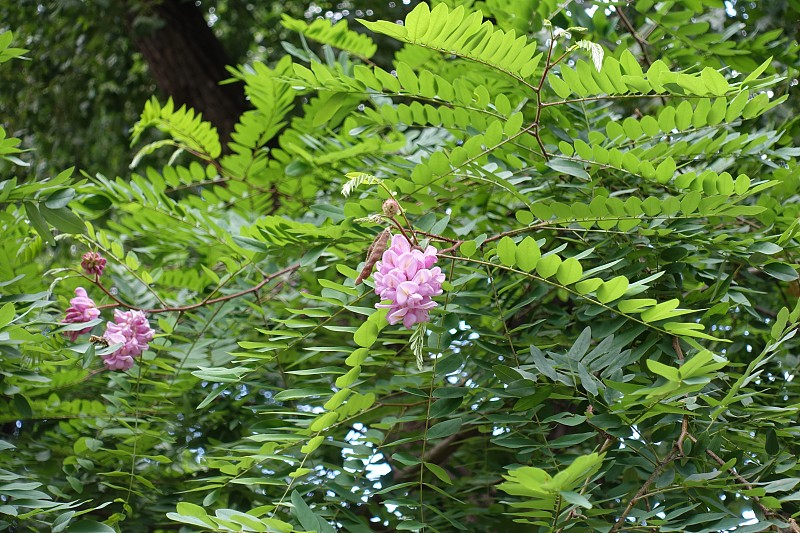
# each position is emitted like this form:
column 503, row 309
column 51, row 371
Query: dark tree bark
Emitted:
column 187, row 60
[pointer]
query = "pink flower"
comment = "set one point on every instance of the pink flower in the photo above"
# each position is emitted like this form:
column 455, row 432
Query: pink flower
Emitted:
column 82, row 309
column 132, row 329
column 93, row 263
column 404, row 277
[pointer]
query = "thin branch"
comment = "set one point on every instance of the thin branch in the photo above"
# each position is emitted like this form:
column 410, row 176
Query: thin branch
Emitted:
column 769, row 513
column 642, row 43
column 671, row 456
column 203, row 303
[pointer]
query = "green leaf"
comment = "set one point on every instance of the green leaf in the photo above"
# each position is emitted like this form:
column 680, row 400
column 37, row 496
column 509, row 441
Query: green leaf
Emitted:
column 528, row 254
column 7, row 313
column 772, row 445
column 62, row 521
column 63, row 219
column 439, row 472
column 588, row 285
column 665, row 170
column 444, row 429
column 38, row 222
column 366, row 334
column 507, row 251
column 569, row 167
column 714, row 81
column 548, row 265
column 612, row 289
column 90, row 526
column 573, row 498
column 301, row 394
column 468, row 248
column 781, row 271
column 60, row 198
column 569, row 271
column 635, row 305
column 513, row 124
column 559, row 86
column 668, row 372
column 307, row 518
column 662, row 311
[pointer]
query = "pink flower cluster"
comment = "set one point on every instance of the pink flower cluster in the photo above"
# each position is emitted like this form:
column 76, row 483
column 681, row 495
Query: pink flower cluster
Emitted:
column 81, row 309
column 405, row 277
column 132, row 329
column 93, row 263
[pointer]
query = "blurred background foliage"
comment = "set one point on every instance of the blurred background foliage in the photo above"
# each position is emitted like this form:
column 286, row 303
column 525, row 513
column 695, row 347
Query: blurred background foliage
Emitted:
column 75, row 103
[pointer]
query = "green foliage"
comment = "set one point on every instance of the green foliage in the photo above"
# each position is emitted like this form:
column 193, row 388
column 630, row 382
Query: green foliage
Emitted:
column 614, row 347
column 336, row 35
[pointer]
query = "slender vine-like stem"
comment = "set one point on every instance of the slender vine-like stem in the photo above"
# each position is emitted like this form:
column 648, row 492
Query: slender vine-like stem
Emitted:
column 428, row 412
column 501, row 318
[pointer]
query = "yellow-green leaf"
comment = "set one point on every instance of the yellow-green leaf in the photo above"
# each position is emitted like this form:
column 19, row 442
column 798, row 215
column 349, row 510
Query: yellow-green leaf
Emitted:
column 528, row 254
column 612, row 289
column 569, row 271
column 507, row 251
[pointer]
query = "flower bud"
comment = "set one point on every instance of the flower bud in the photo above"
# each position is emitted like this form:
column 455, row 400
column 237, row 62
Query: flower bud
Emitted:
column 93, row 263
column 391, row 207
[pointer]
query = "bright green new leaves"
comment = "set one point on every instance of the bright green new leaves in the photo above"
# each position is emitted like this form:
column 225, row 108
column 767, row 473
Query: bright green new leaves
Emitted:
column 272, row 100
column 690, row 377
column 570, row 272
column 548, row 265
column 626, row 77
column 366, row 334
column 464, row 35
column 187, row 129
column 711, row 194
column 8, row 52
column 337, row 35
column 541, row 491
column 576, row 232
column 224, row 520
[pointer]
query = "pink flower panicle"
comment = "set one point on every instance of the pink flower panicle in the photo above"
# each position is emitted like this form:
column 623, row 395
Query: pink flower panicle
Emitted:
column 93, row 263
column 81, row 309
column 406, row 276
column 132, row 329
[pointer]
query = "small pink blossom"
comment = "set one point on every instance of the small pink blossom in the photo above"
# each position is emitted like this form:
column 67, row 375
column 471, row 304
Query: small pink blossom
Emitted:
column 132, row 329
column 81, row 309
column 404, row 277
column 93, row 263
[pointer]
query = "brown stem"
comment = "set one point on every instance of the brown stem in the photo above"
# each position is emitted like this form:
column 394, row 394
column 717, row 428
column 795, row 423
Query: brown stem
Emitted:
column 642, row 43
column 673, row 453
column 676, row 345
column 203, row 303
column 402, row 230
column 536, row 121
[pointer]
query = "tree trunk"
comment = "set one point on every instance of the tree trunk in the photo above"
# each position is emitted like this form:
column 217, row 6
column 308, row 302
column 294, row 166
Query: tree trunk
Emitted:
column 187, row 61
